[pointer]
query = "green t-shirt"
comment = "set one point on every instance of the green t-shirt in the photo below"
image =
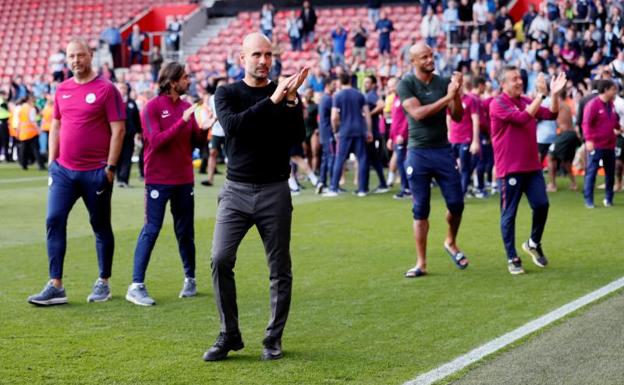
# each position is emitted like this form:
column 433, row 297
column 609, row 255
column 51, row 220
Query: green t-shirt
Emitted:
column 432, row 131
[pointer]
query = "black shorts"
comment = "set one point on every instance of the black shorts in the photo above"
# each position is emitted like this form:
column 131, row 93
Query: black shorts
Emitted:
column 564, row 147
column 217, row 142
column 543, row 149
column 619, row 148
column 297, row 150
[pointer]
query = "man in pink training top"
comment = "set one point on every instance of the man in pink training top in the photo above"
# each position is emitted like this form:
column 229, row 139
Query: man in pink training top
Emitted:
column 518, row 169
column 170, row 135
column 464, row 135
column 600, row 127
column 85, row 141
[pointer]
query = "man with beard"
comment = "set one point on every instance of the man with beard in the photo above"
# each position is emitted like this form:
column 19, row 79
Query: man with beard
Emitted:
column 84, row 145
column 425, row 98
column 170, row 135
column 256, row 190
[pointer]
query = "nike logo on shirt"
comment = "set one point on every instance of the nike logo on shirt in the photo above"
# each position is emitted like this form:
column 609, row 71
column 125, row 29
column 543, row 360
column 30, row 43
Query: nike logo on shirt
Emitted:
column 66, row 96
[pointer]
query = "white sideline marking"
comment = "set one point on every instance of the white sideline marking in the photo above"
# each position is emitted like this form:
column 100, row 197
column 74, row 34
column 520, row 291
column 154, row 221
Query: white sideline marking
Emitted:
column 22, row 180
column 484, row 350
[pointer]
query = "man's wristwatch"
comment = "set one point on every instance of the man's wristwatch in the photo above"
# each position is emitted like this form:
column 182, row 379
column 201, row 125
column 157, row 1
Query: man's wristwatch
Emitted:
column 292, row 103
column 541, row 96
column 110, row 167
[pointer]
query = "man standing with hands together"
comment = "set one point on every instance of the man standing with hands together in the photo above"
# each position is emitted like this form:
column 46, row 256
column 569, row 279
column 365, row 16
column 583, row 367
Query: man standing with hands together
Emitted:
column 261, row 121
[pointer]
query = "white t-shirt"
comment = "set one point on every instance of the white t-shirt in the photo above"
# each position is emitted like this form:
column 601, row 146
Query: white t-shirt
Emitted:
column 481, row 12
column 217, row 129
column 619, row 109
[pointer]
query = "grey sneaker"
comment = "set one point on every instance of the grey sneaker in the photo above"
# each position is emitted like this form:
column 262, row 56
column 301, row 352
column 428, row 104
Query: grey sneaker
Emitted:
column 137, row 294
column 189, row 289
column 50, row 295
column 515, row 266
column 536, row 253
column 101, row 292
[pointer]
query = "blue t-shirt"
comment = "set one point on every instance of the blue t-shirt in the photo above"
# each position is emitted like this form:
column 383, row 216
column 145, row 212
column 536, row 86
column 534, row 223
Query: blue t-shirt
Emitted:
column 382, row 24
column 325, row 129
column 317, row 84
column 350, row 102
column 371, row 99
column 339, row 38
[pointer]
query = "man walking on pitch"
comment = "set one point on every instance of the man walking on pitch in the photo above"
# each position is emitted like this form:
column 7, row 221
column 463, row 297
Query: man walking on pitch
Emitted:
column 170, row 135
column 514, row 138
column 425, row 97
column 85, row 141
column 261, row 121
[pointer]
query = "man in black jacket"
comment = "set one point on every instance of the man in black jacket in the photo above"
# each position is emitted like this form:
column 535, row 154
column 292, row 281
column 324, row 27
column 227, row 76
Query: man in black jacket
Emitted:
column 261, row 121
column 133, row 128
column 308, row 17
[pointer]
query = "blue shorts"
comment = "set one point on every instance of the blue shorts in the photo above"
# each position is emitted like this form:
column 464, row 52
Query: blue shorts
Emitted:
column 424, row 164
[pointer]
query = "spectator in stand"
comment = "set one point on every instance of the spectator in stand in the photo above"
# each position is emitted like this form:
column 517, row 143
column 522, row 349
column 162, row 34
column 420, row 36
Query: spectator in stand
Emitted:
column 600, row 128
column 540, row 29
column 528, row 17
column 339, row 41
column 172, row 39
column 464, row 12
column 374, row 7
column 107, row 73
column 480, row 14
column 308, row 17
column 384, row 26
column 267, row 22
column 19, row 90
column 155, row 61
column 430, row 27
column 359, row 41
column 316, row 80
column 56, row 62
column 294, row 26
column 112, row 36
column 450, row 22
column 135, row 45
column 324, row 50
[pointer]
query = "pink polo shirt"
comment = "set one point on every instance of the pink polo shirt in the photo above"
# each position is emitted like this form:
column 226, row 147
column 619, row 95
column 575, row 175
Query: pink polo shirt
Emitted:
column 514, row 134
column 169, row 141
column 399, row 124
column 599, row 121
column 484, row 115
column 86, row 111
column 461, row 132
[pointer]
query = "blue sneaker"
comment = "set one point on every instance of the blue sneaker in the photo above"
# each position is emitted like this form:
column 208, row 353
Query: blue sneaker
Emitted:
column 50, row 295
column 101, row 292
column 189, row 289
column 137, row 294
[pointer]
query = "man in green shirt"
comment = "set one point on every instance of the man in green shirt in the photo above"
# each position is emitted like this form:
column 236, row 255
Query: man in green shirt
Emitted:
column 425, row 97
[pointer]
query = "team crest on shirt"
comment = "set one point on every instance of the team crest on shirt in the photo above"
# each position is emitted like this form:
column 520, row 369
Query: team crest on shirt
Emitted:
column 90, row 98
column 601, row 111
column 154, row 194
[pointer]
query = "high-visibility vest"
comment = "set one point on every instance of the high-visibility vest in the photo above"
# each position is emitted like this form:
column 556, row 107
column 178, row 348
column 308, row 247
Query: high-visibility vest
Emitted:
column 46, row 118
column 27, row 129
column 4, row 113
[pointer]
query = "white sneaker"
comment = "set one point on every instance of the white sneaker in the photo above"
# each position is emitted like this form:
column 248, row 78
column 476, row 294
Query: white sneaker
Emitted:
column 329, row 194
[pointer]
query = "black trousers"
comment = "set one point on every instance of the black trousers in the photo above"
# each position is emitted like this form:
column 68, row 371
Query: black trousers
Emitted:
column 125, row 159
column 26, row 150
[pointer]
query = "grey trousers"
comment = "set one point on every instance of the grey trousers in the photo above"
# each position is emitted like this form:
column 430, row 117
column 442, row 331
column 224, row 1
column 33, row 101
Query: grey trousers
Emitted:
column 269, row 208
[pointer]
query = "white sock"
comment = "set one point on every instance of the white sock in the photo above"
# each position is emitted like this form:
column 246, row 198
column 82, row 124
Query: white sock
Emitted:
column 532, row 244
column 313, row 178
column 292, row 183
column 135, row 285
column 390, row 178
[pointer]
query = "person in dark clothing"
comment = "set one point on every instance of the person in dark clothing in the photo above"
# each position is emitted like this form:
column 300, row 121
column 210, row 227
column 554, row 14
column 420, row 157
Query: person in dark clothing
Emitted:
column 133, row 128
column 308, row 17
column 374, row 147
column 261, row 121
column 579, row 70
column 5, row 138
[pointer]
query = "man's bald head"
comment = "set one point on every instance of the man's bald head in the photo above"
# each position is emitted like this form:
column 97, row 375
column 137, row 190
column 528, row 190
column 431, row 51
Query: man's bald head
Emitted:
column 256, row 56
column 421, row 56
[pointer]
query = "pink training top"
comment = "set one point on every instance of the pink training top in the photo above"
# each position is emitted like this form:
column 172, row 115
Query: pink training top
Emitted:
column 514, row 134
column 599, row 121
column 85, row 112
column 461, row 132
column 399, row 124
column 169, row 141
column 484, row 115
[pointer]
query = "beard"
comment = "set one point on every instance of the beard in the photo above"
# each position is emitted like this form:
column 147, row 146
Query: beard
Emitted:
column 180, row 90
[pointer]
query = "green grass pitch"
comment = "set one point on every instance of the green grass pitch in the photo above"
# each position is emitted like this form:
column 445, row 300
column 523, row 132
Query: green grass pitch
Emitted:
column 354, row 318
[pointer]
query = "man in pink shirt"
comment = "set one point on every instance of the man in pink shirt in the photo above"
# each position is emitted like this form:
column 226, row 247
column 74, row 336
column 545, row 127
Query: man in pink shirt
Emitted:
column 464, row 135
column 600, row 127
column 84, row 145
column 398, row 143
column 485, row 161
column 514, row 137
column 170, row 135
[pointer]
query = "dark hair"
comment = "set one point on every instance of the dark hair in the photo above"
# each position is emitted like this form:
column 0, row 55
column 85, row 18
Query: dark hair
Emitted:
column 345, row 78
column 171, row 72
column 372, row 78
column 604, row 85
column 477, row 81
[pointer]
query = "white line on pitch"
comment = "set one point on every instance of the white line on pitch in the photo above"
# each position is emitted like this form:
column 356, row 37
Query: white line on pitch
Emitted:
column 475, row 355
column 23, row 180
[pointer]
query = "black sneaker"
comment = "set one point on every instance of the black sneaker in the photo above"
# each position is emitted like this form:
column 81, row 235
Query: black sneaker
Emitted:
column 515, row 266
column 536, row 254
column 225, row 342
column 272, row 349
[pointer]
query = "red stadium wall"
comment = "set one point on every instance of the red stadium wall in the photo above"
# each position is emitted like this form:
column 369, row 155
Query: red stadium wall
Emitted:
column 156, row 21
column 518, row 8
